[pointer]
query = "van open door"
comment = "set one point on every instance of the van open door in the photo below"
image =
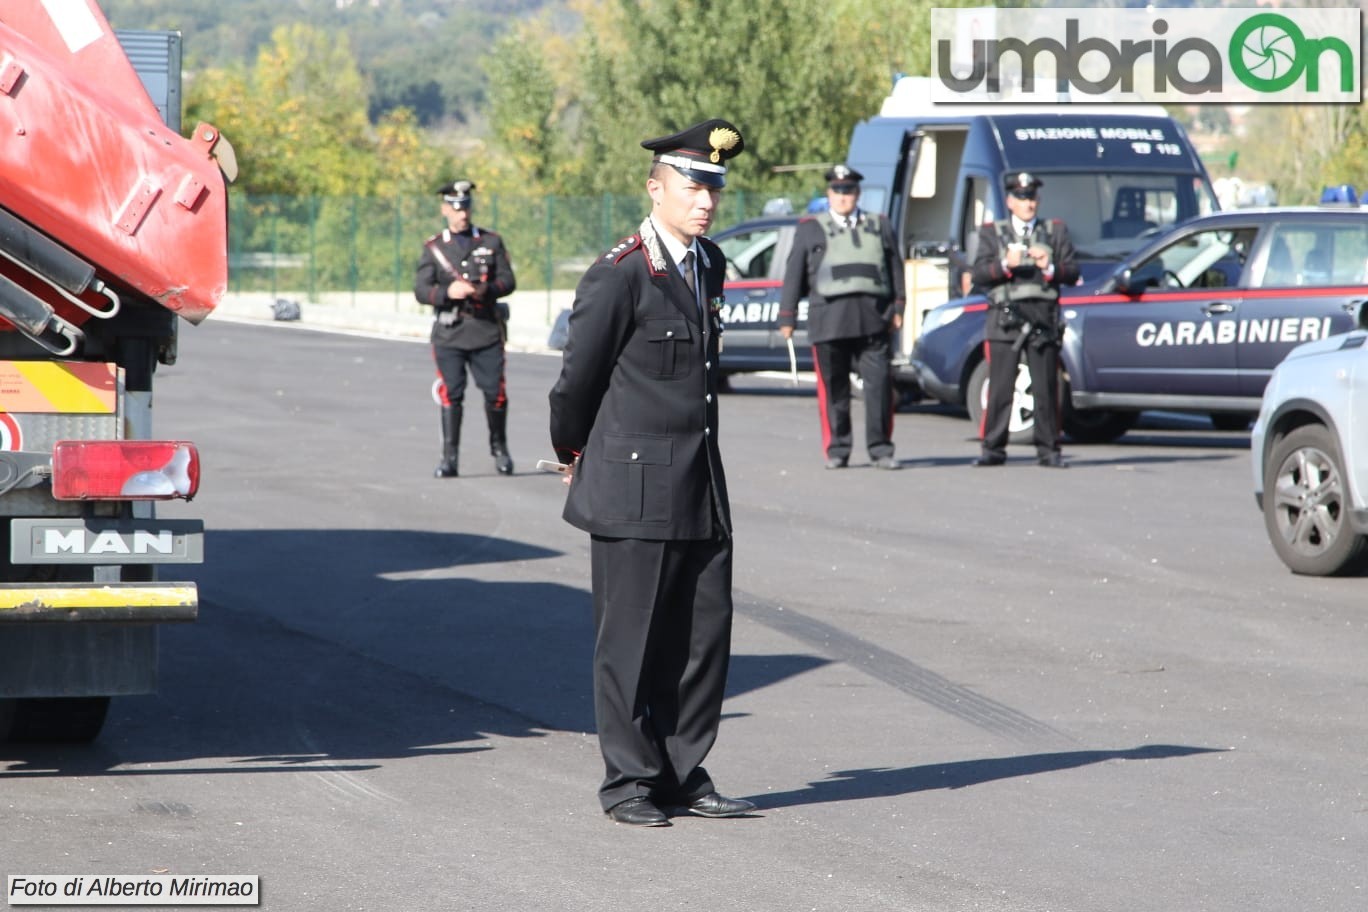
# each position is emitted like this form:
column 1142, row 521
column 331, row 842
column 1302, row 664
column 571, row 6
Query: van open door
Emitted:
column 923, row 207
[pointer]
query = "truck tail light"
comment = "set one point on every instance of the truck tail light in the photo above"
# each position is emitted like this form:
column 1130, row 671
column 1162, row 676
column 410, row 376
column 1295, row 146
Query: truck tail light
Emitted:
column 124, row 469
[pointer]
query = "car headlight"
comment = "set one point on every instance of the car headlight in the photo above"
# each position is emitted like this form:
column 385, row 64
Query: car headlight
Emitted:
column 941, row 316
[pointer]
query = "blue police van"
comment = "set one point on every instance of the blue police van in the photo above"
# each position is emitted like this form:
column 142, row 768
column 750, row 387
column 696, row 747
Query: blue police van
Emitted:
column 1116, row 173
column 1195, row 321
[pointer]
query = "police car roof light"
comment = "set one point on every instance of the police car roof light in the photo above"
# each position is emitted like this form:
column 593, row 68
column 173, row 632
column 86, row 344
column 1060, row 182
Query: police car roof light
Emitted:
column 124, row 470
column 1344, row 194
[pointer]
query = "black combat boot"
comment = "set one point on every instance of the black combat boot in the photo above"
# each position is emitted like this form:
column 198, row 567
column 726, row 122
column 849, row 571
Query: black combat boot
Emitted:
column 451, row 442
column 498, row 439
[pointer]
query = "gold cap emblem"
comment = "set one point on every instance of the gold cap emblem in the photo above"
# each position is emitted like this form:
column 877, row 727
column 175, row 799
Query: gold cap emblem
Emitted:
column 722, row 139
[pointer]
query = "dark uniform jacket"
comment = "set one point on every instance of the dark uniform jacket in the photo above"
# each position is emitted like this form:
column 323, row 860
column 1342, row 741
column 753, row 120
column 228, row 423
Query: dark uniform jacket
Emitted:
column 480, row 257
column 637, row 397
column 846, row 316
column 989, row 273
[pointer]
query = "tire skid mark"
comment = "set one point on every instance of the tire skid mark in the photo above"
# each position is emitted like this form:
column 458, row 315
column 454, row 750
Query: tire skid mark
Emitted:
column 902, row 673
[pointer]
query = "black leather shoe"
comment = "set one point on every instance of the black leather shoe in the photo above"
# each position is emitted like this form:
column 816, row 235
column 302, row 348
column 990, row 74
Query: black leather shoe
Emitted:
column 835, row 462
column 445, row 469
column 503, row 462
column 715, row 805
column 887, row 462
column 638, row 811
column 1052, row 461
column 984, row 461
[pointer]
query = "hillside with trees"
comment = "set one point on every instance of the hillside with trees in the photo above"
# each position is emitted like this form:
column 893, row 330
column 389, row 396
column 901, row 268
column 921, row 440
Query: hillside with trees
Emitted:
column 425, row 55
column 551, row 96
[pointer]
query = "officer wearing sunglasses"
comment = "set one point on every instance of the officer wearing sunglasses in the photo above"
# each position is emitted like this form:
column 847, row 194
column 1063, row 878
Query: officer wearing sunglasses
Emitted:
column 1022, row 261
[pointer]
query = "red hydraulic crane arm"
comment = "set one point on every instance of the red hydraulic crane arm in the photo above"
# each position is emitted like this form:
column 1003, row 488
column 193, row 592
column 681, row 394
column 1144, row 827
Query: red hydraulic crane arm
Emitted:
column 86, row 160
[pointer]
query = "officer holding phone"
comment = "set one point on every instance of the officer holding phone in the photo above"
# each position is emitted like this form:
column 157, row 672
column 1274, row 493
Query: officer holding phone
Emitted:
column 1022, row 261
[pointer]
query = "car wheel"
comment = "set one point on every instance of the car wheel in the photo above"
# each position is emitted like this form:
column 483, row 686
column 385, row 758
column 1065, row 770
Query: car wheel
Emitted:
column 1096, row 425
column 1305, row 508
column 1021, row 426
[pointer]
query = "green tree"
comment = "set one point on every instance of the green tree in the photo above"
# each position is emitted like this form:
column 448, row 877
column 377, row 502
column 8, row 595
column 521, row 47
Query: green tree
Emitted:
column 319, row 187
column 1329, row 148
column 1348, row 163
column 794, row 75
column 522, row 110
column 298, row 121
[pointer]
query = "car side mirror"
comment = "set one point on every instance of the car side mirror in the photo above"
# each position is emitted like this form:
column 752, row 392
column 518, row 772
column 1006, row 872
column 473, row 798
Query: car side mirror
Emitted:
column 1124, row 281
column 1133, row 281
column 1363, row 315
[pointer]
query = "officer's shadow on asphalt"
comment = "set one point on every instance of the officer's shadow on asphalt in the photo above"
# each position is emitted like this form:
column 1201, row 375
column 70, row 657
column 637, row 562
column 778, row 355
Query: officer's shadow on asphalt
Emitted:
column 883, row 782
column 377, row 645
column 374, row 664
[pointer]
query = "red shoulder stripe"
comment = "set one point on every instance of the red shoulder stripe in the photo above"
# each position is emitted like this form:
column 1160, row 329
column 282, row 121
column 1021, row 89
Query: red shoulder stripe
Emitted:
column 624, row 247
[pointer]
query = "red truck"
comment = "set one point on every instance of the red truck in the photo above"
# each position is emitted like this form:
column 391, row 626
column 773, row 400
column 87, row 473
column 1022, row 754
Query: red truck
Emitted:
column 113, row 229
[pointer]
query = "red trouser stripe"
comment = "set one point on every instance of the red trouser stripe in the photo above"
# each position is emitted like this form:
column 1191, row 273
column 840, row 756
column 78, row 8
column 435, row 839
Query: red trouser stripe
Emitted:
column 983, row 415
column 822, row 397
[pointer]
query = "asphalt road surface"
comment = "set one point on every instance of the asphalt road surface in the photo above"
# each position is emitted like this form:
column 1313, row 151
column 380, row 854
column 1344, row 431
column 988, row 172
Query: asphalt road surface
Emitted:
column 952, row 689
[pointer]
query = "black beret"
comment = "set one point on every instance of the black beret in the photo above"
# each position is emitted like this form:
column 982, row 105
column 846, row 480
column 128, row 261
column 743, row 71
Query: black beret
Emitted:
column 699, row 152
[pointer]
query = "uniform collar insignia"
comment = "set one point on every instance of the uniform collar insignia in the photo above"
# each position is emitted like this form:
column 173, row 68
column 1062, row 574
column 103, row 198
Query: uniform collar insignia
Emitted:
column 651, row 242
column 655, row 250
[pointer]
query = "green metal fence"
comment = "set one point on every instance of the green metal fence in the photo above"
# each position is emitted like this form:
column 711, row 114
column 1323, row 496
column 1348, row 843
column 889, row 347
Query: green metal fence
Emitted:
column 318, row 245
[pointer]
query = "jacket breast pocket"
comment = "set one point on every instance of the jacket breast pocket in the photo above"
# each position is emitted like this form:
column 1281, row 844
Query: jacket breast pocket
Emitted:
column 667, row 347
column 638, row 470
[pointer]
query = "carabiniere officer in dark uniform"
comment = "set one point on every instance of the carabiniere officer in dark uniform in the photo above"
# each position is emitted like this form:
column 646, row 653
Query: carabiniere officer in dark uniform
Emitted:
column 1022, row 261
column 462, row 273
column 634, row 413
column 845, row 261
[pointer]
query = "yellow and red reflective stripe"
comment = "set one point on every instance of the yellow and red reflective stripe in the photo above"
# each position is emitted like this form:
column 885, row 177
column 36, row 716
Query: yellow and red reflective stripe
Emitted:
column 58, row 387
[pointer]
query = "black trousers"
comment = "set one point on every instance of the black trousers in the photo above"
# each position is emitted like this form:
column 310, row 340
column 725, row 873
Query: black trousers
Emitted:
column 663, row 615
column 486, row 365
column 833, row 361
column 1042, row 361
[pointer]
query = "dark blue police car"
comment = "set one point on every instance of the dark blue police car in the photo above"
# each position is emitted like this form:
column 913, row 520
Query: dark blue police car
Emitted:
column 757, row 251
column 1193, row 321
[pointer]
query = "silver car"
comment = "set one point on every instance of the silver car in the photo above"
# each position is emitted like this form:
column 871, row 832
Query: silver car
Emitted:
column 1310, row 454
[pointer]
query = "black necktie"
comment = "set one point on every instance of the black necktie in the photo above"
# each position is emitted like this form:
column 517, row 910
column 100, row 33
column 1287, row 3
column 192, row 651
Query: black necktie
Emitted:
column 689, row 274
